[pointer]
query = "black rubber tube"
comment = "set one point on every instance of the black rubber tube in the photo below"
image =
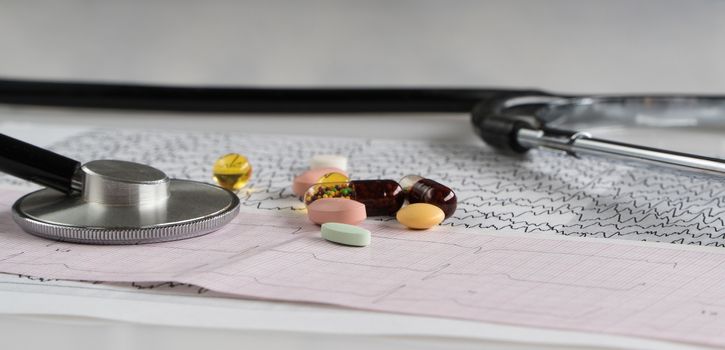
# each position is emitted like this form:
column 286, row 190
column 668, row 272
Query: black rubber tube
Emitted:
column 243, row 99
column 37, row 164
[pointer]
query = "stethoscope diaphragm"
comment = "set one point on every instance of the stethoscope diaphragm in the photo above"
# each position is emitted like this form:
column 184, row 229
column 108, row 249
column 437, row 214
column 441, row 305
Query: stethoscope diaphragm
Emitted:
column 192, row 209
column 111, row 201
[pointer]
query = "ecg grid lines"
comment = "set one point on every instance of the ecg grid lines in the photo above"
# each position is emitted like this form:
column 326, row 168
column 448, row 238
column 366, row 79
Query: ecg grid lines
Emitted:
column 542, row 193
column 586, row 285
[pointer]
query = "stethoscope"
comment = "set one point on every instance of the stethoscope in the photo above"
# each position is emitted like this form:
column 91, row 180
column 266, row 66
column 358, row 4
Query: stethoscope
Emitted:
column 118, row 202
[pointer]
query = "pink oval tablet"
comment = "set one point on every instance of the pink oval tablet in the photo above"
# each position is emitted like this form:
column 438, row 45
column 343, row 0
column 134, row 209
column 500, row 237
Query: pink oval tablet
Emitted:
column 340, row 210
column 309, row 178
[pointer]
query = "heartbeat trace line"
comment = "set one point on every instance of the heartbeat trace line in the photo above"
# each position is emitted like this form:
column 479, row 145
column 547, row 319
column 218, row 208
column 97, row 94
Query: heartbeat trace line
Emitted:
column 543, row 193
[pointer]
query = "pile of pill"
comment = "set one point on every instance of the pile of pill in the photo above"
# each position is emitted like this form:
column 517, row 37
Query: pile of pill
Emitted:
column 338, row 203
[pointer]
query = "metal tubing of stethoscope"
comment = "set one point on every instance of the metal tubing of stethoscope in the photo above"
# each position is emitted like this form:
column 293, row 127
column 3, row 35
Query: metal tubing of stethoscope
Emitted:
column 584, row 144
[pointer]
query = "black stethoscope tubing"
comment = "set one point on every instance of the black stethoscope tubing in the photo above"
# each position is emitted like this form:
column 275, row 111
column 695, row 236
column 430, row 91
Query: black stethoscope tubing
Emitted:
column 247, row 100
column 505, row 118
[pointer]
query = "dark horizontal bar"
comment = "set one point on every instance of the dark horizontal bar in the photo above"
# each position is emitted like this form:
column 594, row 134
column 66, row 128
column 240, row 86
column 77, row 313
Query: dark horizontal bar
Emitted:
column 244, row 99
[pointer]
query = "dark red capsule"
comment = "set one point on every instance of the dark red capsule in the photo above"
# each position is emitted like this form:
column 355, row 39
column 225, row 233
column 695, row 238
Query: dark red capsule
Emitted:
column 422, row 190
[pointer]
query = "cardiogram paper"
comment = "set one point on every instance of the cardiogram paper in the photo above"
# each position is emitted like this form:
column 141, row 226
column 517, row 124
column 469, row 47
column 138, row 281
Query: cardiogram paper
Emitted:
column 543, row 192
column 271, row 251
column 176, row 304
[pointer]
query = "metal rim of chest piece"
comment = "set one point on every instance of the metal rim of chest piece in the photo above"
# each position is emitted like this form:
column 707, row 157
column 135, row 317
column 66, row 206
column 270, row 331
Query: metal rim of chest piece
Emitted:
column 126, row 203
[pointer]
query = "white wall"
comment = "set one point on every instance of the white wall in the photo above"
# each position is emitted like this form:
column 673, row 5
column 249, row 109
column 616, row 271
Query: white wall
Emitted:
column 567, row 46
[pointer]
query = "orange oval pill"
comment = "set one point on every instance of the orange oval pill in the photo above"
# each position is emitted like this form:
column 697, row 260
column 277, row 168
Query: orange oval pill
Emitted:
column 310, row 177
column 420, row 216
column 340, row 210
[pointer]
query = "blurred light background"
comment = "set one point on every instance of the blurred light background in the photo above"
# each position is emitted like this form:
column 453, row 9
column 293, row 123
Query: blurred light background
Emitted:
column 613, row 46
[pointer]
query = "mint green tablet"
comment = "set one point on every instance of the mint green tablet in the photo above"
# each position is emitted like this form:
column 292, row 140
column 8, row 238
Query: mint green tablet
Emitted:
column 345, row 234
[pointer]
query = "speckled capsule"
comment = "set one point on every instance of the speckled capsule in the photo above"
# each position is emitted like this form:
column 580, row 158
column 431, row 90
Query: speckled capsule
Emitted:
column 380, row 197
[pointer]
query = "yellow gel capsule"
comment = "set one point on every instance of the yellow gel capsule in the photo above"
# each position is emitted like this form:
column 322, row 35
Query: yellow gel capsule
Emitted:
column 420, row 216
column 232, row 171
column 333, row 177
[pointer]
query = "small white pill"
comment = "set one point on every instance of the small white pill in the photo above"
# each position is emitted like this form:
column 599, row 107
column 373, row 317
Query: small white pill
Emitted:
column 328, row 161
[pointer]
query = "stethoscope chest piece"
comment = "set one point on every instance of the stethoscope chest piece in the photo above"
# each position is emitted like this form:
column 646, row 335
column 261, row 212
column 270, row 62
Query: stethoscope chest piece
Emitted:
column 121, row 202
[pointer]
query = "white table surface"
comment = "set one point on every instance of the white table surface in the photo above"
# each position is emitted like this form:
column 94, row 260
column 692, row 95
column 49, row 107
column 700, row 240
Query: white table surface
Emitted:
column 567, row 46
